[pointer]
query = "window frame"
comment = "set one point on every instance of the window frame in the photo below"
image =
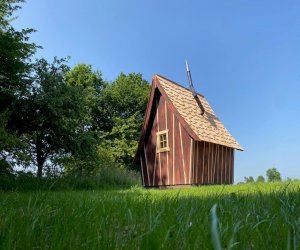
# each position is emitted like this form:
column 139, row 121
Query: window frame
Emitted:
column 160, row 149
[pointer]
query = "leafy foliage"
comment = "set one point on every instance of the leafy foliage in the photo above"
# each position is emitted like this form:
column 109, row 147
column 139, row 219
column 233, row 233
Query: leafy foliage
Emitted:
column 260, row 178
column 123, row 98
column 91, row 85
column 123, row 105
column 52, row 118
column 249, row 179
column 273, row 175
column 15, row 54
column 121, row 142
column 15, row 61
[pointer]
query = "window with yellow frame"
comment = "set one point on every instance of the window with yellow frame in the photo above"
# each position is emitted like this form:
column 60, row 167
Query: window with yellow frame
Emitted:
column 162, row 141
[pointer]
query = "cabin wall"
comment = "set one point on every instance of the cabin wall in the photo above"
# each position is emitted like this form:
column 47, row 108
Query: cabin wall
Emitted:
column 173, row 167
column 187, row 162
column 213, row 164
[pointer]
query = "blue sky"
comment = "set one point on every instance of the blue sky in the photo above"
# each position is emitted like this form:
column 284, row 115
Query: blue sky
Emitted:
column 244, row 57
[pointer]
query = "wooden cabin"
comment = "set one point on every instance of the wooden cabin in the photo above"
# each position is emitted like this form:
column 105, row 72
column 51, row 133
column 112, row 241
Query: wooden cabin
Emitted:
column 178, row 145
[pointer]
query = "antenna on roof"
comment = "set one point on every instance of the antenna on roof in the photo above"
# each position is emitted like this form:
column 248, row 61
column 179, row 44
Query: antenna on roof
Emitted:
column 192, row 88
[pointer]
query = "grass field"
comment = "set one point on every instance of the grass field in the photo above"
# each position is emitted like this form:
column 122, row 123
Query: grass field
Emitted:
column 246, row 216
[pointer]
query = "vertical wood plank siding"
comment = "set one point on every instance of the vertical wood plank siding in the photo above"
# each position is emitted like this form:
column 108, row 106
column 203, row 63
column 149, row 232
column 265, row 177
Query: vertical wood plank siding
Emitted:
column 187, row 161
column 212, row 163
column 167, row 155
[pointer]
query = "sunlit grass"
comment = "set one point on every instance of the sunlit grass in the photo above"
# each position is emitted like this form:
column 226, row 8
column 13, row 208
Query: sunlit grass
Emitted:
column 248, row 216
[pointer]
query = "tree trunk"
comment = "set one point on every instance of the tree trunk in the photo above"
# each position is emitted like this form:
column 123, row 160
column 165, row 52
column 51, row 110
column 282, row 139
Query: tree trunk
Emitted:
column 39, row 158
column 40, row 169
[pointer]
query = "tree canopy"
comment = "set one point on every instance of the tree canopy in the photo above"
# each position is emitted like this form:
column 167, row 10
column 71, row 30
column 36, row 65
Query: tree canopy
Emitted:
column 273, row 175
column 52, row 115
column 260, row 178
column 123, row 105
column 51, row 119
column 15, row 77
column 249, row 179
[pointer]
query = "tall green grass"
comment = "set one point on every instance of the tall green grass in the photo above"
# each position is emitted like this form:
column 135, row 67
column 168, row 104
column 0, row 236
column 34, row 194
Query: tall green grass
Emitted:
column 107, row 178
column 248, row 216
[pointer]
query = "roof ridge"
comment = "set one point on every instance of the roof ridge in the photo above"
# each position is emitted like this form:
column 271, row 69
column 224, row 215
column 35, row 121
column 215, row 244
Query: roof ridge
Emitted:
column 177, row 84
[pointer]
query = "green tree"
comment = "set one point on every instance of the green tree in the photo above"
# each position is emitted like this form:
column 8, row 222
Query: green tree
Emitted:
column 121, row 111
column 15, row 54
column 249, row 179
column 273, row 175
column 90, row 84
column 51, row 118
column 125, row 97
column 121, row 142
column 15, row 68
column 260, row 178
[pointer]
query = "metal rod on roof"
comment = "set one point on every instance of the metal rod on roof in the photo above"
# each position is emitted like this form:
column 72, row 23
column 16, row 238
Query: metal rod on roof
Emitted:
column 192, row 88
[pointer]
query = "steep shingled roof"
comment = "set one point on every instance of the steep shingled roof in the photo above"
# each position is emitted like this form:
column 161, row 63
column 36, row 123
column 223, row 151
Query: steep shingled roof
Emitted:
column 207, row 127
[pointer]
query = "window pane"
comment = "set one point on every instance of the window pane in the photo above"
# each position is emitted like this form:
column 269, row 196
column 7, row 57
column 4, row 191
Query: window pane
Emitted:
column 162, row 141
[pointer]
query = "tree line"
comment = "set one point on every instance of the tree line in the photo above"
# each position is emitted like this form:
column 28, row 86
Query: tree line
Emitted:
column 272, row 175
column 56, row 119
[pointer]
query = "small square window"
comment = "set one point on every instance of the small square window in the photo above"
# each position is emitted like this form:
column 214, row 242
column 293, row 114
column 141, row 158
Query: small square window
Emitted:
column 162, row 141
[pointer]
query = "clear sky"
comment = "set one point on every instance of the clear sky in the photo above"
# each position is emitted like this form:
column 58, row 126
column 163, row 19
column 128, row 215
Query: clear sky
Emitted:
column 244, row 57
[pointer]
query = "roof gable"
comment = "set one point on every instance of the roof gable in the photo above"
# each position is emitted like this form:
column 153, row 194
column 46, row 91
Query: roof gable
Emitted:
column 155, row 86
column 207, row 127
column 181, row 100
